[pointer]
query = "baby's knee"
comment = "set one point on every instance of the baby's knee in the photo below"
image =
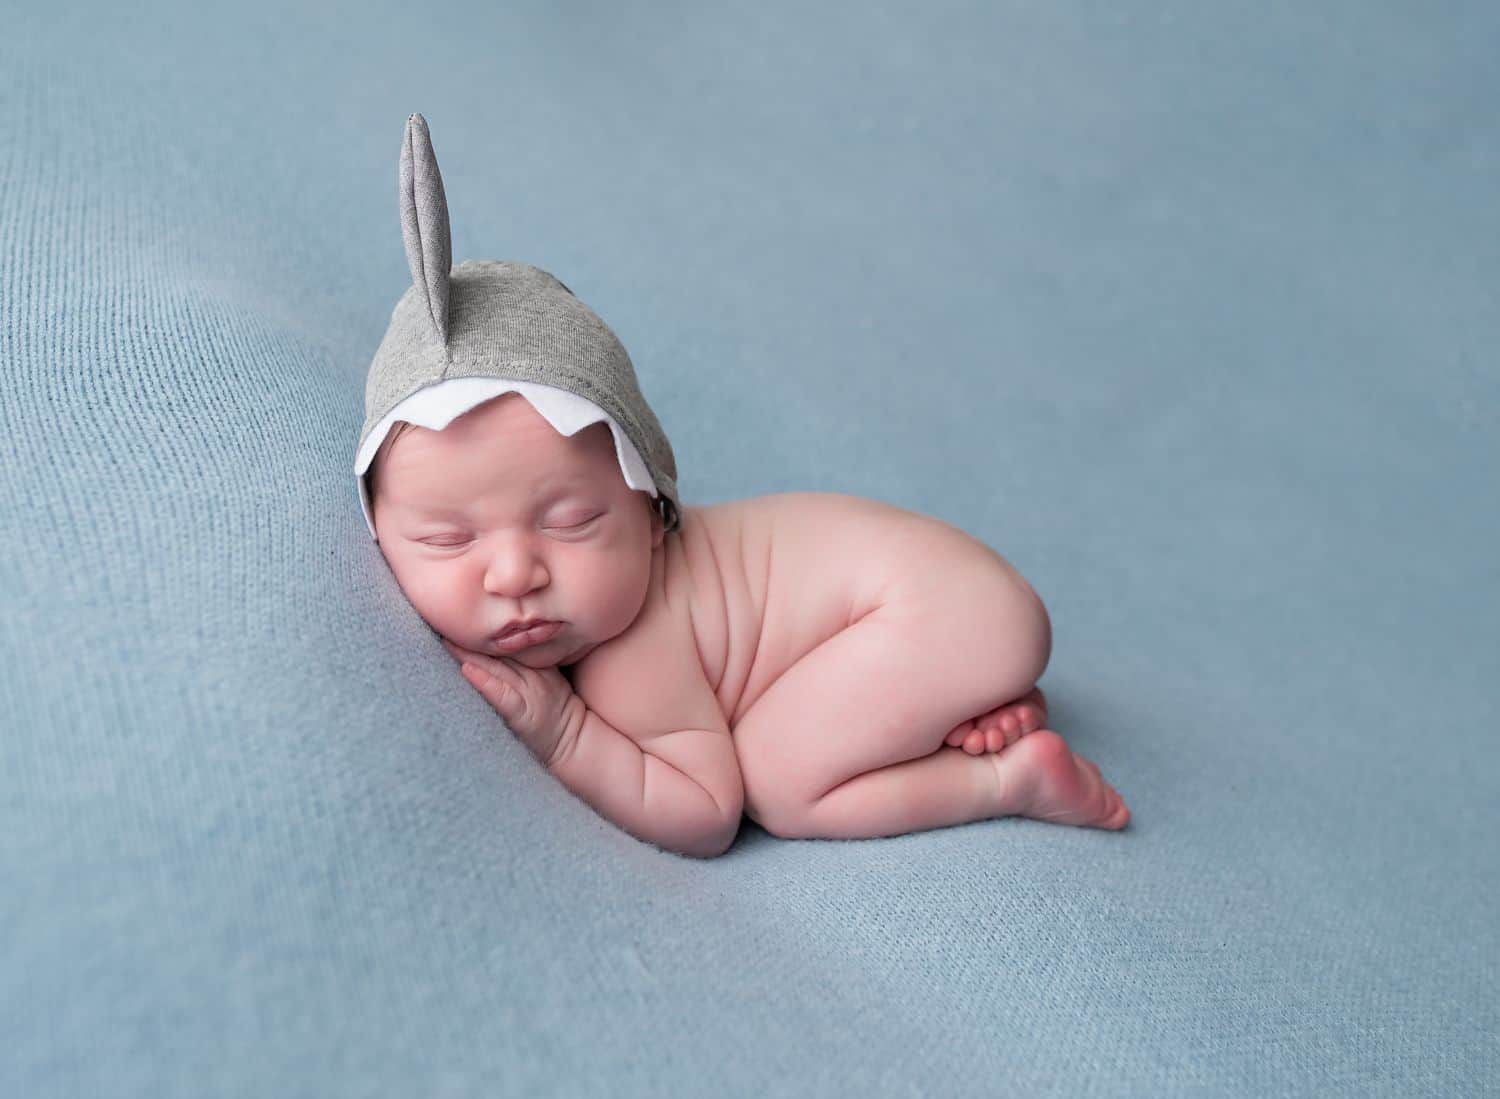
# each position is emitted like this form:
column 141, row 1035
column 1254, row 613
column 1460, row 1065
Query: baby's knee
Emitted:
column 1041, row 633
column 1014, row 625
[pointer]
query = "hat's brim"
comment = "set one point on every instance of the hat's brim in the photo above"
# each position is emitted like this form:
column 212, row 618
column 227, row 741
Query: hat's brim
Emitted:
column 437, row 405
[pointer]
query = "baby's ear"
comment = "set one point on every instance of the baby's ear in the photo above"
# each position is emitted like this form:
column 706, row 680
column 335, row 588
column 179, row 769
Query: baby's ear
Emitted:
column 424, row 222
column 658, row 524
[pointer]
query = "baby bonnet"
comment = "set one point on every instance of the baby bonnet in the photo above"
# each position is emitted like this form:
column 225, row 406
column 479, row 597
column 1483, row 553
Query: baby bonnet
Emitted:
column 463, row 334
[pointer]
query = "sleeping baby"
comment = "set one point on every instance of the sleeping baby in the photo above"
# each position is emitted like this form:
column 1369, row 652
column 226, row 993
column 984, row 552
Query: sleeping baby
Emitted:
column 828, row 665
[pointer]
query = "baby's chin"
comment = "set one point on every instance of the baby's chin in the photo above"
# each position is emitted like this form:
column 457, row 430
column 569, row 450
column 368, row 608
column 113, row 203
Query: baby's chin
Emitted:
column 544, row 656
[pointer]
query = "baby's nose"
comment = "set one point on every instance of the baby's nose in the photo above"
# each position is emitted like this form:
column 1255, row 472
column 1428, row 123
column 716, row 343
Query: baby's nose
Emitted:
column 513, row 572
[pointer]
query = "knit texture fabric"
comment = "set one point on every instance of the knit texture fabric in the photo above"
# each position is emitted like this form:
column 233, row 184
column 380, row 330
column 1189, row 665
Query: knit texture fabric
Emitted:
column 1187, row 309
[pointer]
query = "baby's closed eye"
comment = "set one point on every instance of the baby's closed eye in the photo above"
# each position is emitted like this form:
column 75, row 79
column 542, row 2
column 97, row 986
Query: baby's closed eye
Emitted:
column 569, row 523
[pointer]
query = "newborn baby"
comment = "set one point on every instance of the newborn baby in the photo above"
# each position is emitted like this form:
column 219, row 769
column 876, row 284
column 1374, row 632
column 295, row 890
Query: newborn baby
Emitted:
column 829, row 666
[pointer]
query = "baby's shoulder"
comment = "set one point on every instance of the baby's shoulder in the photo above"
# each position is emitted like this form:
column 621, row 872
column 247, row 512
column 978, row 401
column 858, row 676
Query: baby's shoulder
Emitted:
column 705, row 599
column 649, row 679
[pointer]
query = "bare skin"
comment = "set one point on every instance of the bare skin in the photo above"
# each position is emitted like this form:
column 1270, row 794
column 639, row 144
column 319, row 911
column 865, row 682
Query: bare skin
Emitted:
column 1058, row 784
column 1052, row 782
column 1002, row 726
column 837, row 631
column 838, row 667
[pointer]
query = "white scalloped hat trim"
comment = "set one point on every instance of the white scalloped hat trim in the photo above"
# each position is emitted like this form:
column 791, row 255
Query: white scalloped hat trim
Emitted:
column 437, row 405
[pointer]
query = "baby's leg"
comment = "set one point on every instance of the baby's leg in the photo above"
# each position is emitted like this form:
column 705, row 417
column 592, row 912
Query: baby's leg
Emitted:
column 945, row 644
column 1038, row 777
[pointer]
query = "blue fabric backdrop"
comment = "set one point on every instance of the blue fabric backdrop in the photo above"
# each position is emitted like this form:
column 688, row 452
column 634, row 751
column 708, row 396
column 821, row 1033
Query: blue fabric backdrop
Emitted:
column 1189, row 310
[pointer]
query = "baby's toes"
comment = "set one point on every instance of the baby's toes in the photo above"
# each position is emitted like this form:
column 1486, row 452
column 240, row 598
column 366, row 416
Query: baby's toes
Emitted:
column 956, row 737
column 1010, row 726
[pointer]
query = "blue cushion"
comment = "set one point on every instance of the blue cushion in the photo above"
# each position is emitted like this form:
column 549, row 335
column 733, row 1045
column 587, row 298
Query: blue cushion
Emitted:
column 1189, row 312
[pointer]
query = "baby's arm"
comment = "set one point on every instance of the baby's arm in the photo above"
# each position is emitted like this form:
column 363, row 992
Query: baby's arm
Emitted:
column 638, row 733
column 670, row 790
column 655, row 754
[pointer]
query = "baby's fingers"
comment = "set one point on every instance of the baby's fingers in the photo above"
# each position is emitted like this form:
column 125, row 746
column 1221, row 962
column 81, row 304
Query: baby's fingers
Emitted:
column 496, row 691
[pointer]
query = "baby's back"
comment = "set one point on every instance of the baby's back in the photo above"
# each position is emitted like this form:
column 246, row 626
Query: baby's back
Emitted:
column 761, row 582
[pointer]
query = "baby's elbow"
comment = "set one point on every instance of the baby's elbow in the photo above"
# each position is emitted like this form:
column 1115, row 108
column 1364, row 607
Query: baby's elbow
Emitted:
column 705, row 854
column 713, row 843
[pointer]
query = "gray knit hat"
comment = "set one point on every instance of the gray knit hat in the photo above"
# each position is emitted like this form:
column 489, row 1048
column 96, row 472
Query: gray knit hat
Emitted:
column 461, row 335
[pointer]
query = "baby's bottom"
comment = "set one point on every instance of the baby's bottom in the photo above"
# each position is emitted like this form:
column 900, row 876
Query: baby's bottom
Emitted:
column 855, row 739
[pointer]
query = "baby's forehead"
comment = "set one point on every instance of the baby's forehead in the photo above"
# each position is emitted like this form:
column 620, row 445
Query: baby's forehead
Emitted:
column 567, row 462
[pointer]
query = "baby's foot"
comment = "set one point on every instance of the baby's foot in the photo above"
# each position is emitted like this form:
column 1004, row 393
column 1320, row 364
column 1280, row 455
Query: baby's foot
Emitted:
column 1002, row 726
column 1042, row 778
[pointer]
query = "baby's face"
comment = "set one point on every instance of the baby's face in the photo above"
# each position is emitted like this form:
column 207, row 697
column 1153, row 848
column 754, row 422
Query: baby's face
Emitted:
column 498, row 517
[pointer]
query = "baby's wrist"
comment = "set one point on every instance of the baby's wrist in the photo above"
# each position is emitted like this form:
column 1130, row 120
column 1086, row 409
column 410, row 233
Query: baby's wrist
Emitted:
column 575, row 713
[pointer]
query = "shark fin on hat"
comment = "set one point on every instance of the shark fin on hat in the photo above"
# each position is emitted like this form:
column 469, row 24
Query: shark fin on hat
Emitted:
column 424, row 223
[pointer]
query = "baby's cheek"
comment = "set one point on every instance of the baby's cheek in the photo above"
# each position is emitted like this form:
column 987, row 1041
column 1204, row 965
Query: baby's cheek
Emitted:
column 429, row 591
column 619, row 592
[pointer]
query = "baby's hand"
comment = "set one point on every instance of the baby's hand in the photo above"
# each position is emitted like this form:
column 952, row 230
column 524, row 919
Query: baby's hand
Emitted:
column 537, row 703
